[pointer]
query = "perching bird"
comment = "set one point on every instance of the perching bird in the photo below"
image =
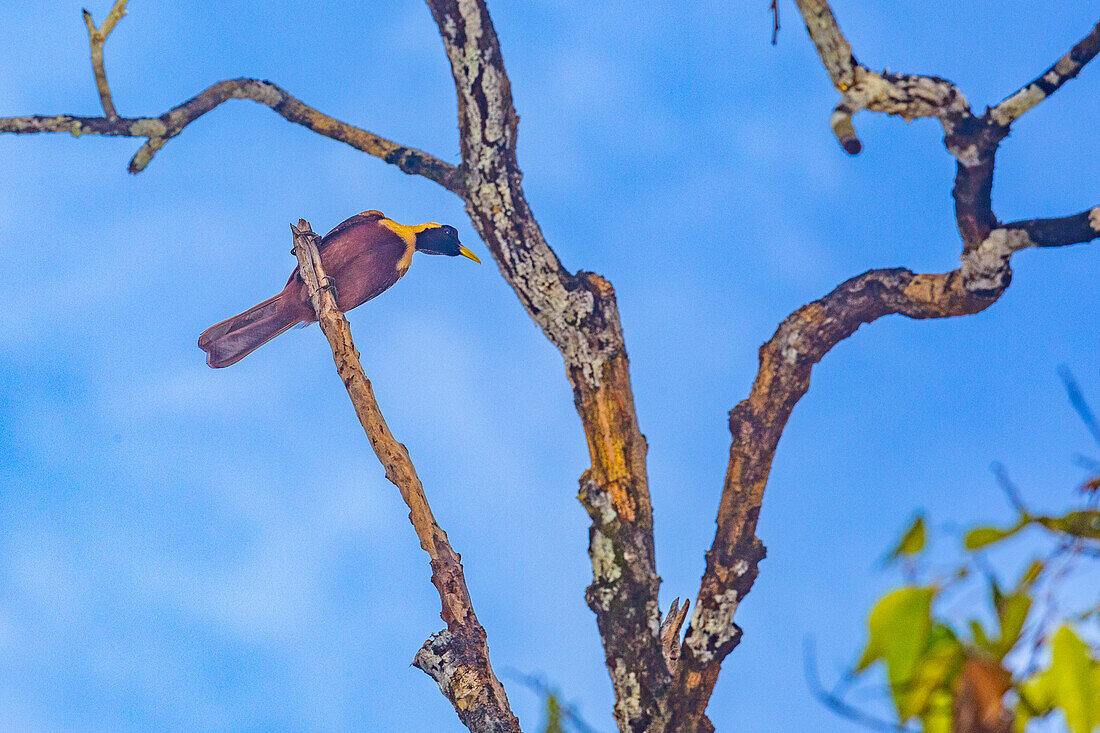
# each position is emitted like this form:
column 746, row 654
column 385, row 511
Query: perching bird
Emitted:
column 363, row 256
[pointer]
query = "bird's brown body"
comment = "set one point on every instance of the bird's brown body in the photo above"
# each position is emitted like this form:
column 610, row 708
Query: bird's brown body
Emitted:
column 363, row 255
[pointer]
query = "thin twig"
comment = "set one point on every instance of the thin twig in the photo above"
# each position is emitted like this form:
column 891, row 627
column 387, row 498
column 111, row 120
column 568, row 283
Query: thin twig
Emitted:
column 1057, row 231
column 457, row 657
column 159, row 130
column 1049, row 81
column 1067, row 551
column 835, row 703
column 906, row 95
column 96, row 38
column 1080, row 405
column 543, row 688
column 1009, row 487
column 1086, row 462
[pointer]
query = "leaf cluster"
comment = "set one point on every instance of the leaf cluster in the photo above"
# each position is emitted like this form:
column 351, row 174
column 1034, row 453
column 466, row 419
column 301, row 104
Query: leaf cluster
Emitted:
column 934, row 663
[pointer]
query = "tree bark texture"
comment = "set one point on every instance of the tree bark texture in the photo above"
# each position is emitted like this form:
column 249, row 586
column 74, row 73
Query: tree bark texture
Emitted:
column 457, row 657
column 660, row 683
column 807, row 334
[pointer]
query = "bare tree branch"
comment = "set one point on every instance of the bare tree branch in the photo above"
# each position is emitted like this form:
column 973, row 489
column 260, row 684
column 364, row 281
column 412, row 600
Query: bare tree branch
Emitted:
column 577, row 312
column 810, row 332
column 654, row 690
column 974, row 143
column 837, row 704
column 159, row 130
column 906, row 95
column 96, row 38
column 972, row 140
column 457, row 657
column 1061, row 231
column 579, row 315
column 1049, row 81
column 756, row 424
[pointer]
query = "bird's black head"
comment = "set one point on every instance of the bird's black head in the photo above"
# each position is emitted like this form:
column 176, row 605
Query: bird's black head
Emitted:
column 440, row 239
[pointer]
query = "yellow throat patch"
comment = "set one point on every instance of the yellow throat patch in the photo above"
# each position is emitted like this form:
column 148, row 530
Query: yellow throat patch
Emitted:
column 408, row 235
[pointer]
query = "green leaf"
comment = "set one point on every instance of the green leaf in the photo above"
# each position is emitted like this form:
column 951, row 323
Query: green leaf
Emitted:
column 939, row 716
column 1034, row 570
column 1073, row 680
column 553, row 715
column 1012, row 610
column 1080, row 524
column 980, row 537
column 1036, row 699
column 935, row 670
column 912, row 541
column 1012, row 613
column 894, row 618
column 980, row 638
column 900, row 627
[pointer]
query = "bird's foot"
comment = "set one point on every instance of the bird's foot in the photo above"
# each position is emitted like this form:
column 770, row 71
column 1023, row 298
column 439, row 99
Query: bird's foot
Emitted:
column 330, row 285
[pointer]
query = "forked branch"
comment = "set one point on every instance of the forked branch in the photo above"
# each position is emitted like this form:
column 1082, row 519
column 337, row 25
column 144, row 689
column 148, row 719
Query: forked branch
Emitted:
column 906, row 95
column 804, row 338
column 159, row 130
column 578, row 314
column 657, row 686
column 457, row 657
column 96, row 38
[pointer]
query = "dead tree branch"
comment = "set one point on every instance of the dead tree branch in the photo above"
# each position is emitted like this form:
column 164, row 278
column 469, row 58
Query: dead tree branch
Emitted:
column 657, row 687
column 1049, row 81
column 905, row 95
column 457, row 657
column 804, row 338
column 159, row 130
column 1058, row 232
column 578, row 313
column 96, row 38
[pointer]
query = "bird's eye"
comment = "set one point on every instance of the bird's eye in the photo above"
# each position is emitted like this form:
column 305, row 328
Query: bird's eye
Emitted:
column 451, row 231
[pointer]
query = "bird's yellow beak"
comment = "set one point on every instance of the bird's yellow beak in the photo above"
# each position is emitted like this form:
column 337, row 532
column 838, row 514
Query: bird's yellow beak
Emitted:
column 467, row 253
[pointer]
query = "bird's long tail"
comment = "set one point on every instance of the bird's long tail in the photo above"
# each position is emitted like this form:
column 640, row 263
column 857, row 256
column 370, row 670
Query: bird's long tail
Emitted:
column 235, row 338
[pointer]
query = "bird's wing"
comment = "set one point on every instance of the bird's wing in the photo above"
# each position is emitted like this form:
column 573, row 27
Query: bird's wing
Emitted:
column 341, row 228
column 363, row 218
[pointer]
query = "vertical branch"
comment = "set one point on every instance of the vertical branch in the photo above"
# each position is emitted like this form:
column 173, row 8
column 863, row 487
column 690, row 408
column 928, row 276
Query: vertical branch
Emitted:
column 457, row 657
column 96, row 39
column 579, row 315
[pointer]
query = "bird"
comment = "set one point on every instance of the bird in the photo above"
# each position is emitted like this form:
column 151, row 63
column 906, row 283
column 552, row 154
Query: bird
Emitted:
column 363, row 256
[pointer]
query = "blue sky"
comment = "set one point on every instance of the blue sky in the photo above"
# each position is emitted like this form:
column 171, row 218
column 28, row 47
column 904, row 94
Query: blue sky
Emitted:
column 189, row 549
